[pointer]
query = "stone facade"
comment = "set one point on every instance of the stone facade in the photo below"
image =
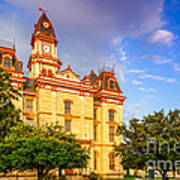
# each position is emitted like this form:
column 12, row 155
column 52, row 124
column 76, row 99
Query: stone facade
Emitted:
column 91, row 107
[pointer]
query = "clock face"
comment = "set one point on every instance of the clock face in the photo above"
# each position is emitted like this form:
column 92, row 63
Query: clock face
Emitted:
column 46, row 24
column 46, row 48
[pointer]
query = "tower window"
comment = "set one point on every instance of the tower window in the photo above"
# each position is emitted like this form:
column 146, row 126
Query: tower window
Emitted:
column 112, row 161
column 95, row 132
column 111, row 115
column 111, row 133
column 29, row 105
column 7, row 63
column 111, row 84
column 67, row 125
column 67, row 107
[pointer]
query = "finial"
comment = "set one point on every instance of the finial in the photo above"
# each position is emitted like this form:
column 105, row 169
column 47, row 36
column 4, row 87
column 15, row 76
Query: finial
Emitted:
column 42, row 10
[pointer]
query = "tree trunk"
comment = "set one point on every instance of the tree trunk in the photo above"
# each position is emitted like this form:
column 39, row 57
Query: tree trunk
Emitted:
column 60, row 173
column 164, row 175
column 40, row 174
column 174, row 173
column 135, row 173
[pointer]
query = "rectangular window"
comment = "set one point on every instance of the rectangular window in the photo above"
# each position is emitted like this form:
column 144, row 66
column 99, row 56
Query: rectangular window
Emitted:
column 67, row 108
column 67, row 125
column 95, row 160
column 95, row 132
column 111, row 115
column 95, row 115
column 111, row 133
column 112, row 161
column 7, row 63
column 29, row 121
column 29, row 105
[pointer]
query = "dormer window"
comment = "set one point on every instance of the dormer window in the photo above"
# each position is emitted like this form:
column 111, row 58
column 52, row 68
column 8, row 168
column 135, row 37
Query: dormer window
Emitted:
column 7, row 63
column 111, row 84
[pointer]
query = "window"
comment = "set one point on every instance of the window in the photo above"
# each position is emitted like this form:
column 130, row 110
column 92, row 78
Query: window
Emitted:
column 95, row 114
column 111, row 115
column 95, row 132
column 111, row 133
column 112, row 161
column 111, row 84
column 29, row 105
column 67, row 108
column 29, row 121
column 7, row 63
column 67, row 125
column 95, row 160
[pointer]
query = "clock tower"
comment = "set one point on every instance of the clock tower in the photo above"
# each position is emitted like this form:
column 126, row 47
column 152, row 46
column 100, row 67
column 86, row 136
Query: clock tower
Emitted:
column 43, row 60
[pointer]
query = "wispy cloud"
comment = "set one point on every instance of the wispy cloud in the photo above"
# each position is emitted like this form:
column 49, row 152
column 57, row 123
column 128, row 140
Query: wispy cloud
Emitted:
column 162, row 36
column 176, row 67
column 122, row 53
column 117, row 40
column 152, row 77
column 156, row 59
column 171, row 80
column 147, row 89
column 132, row 110
column 136, row 82
column 136, row 71
column 160, row 78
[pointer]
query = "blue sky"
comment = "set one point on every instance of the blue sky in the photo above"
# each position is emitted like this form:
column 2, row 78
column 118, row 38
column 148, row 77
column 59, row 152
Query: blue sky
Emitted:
column 141, row 38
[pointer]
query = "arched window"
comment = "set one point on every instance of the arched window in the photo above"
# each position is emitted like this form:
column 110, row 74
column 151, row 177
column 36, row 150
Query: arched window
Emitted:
column 112, row 161
column 7, row 63
column 50, row 73
column 44, row 73
column 111, row 84
column 111, row 115
column 67, row 107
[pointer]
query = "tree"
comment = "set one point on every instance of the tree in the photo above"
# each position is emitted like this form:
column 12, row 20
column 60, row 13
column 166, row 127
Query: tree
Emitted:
column 9, row 116
column 43, row 149
column 151, row 141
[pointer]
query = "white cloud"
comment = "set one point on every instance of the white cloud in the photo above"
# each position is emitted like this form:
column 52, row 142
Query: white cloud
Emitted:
column 136, row 82
column 160, row 78
column 176, row 67
column 122, row 54
column 162, row 36
column 146, row 90
column 150, row 90
column 117, row 41
column 171, row 80
column 152, row 77
column 132, row 110
column 136, row 71
column 156, row 59
column 142, row 89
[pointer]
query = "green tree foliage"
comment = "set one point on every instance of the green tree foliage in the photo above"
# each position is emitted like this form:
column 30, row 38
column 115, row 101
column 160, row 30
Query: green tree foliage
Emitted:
column 152, row 140
column 43, row 149
column 9, row 116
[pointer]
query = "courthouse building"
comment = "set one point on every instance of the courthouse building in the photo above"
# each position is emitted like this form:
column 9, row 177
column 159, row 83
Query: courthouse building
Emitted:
column 90, row 107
